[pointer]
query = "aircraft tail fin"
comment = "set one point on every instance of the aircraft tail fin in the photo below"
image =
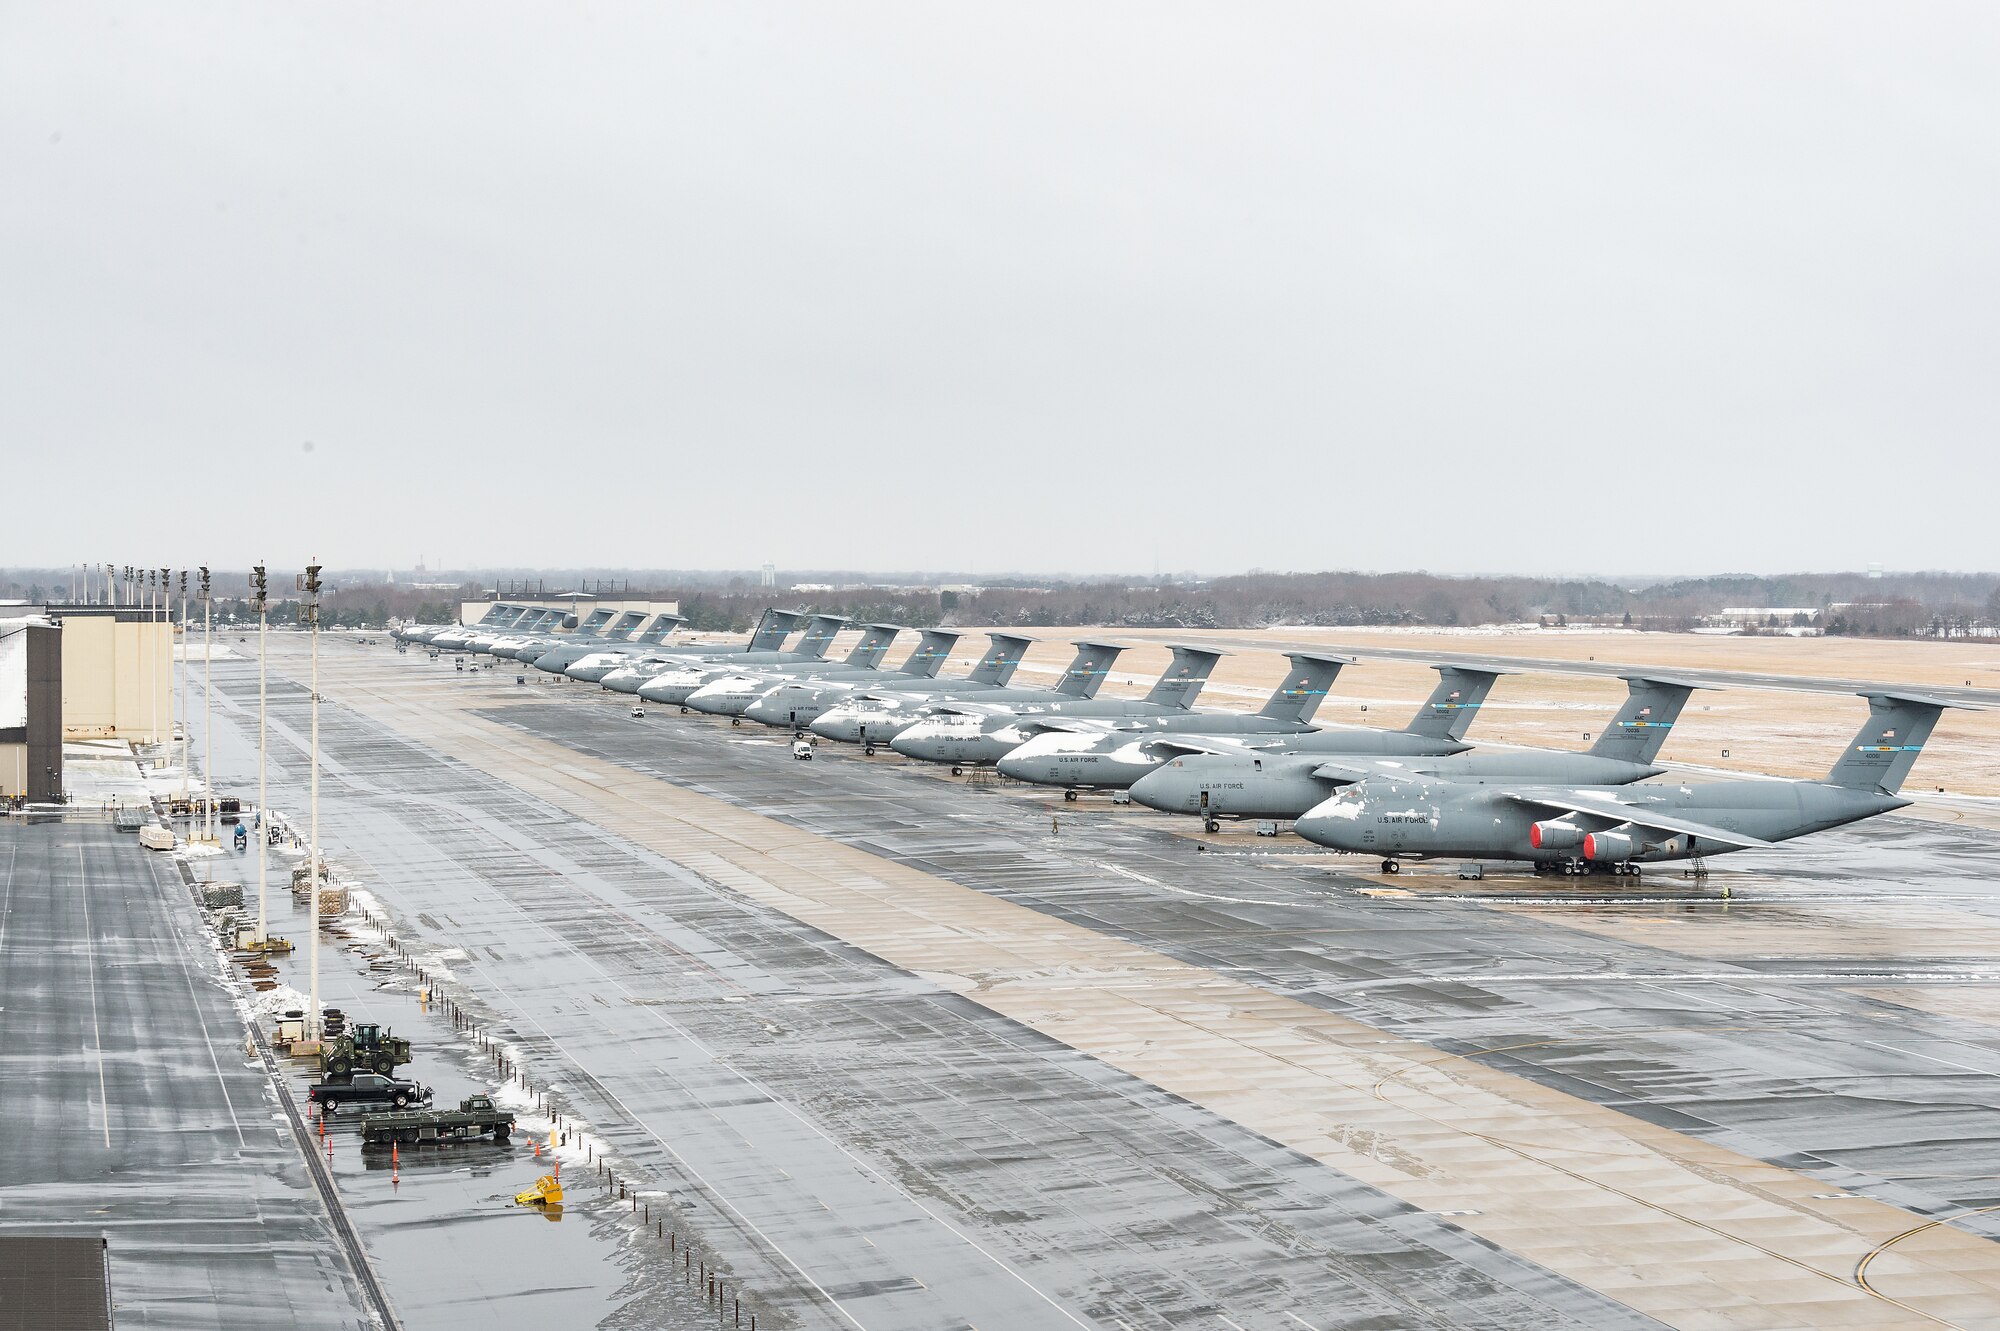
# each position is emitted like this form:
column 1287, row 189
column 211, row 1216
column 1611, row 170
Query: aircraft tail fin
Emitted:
column 1453, row 703
column 933, row 649
column 1888, row 743
column 1003, row 657
column 1304, row 687
column 874, row 644
column 1180, row 683
column 772, row 629
column 1652, row 704
column 818, row 635
column 1086, row 673
column 656, row 632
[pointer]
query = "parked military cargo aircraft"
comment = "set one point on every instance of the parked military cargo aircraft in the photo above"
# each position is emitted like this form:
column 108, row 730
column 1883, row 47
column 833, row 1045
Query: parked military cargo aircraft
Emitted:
column 1578, row 828
column 674, row 685
column 1093, row 753
column 879, row 717
column 982, row 731
column 627, row 675
column 741, row 695
column 730, row 693
column 795, row 703
column 1290, row 775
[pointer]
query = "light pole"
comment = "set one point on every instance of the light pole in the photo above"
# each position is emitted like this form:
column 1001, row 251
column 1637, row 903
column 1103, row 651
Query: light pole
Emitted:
column 211, row 822
column 263, row 834
column 309, row 584
column 149, row 656
column 180, row 697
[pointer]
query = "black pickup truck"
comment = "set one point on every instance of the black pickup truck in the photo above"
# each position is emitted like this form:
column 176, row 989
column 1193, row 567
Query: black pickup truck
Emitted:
column 367, row 1088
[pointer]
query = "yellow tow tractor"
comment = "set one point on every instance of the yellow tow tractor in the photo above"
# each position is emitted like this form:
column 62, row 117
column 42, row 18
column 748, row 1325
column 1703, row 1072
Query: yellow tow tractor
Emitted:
column 269, row 945
column 546, row 1193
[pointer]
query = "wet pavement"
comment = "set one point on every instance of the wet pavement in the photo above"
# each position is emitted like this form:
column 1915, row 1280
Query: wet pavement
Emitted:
column 128, row 1105
column 805, row 1100
column 439, row 1222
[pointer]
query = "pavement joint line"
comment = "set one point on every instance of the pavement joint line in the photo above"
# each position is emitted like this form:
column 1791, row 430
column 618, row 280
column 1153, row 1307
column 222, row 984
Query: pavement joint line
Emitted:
column 90, row 962
column 229, row 1103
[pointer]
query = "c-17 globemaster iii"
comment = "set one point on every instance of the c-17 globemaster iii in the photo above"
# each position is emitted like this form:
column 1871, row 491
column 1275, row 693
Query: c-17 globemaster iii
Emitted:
column 1291, row 775
column 1577, row 828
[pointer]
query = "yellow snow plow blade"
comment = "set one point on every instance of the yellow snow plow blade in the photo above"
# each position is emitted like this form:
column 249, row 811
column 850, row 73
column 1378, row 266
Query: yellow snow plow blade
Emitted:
column 546, row 1192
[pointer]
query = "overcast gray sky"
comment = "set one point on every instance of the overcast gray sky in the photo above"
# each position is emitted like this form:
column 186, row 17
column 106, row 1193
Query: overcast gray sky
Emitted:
column 1473, row 287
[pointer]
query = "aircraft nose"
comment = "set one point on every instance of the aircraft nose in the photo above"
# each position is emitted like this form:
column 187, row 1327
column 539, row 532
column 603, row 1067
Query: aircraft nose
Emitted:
column 920, row 741
column 1165, row 790
column 833, row 725
column 1334, row 824
column 1027, row 767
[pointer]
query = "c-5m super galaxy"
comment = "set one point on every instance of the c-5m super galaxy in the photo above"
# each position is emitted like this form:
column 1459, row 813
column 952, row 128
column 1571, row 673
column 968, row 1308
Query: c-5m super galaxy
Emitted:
column 760, row 694
column 982, row 731
column 498, row 615
column 675, row 684
column 628, row 674
column 731, row 693
column 455, row 637
column 1293, row 774
column 529, row 646
column 798, row 703
column 1577, row 828
column 1437, row 728
column 1110, row 753
column 541, row 626
column 879, row 716
column 558, row 660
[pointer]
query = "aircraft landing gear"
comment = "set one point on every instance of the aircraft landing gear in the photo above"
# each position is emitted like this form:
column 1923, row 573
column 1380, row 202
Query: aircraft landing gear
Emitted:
column 868, row 749
column 1391, row 866
column 1210, row 826
column 1069, row 797
column 735, row 720
column 684, row 709
column 958, row 771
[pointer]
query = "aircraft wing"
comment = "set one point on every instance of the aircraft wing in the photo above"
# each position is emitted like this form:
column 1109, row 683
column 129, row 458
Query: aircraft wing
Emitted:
column 1076, row 725
column 1168, row 746
column 964, row 709
column 1347, row 773
column 1639, row 817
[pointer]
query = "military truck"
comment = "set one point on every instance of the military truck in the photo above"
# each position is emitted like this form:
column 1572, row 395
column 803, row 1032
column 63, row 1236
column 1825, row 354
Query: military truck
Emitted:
column 364, row 1048
column 476, row 1116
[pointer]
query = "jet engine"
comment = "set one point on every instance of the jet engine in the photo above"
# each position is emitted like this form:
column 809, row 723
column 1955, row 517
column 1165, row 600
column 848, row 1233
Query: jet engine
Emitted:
column 1555, row 836
column 1615, row 846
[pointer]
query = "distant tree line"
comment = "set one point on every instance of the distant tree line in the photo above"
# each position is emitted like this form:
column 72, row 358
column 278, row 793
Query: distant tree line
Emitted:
column 1933, row 605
